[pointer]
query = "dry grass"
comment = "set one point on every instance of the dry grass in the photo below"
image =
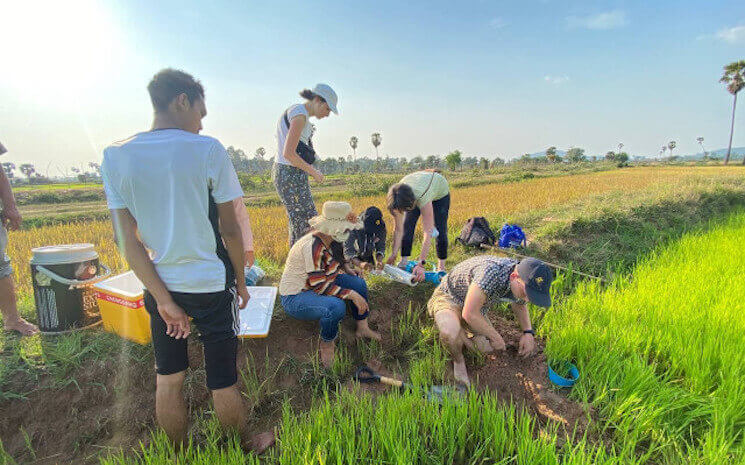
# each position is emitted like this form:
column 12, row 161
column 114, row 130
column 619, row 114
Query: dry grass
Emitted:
column 270, row 223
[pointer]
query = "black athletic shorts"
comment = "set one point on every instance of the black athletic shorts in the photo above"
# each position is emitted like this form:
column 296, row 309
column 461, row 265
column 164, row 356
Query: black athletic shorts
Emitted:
column 215, row 316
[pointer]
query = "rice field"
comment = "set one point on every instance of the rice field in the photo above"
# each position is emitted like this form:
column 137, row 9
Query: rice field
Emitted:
column 662, row 353
column 492, row 200
column 661, row 357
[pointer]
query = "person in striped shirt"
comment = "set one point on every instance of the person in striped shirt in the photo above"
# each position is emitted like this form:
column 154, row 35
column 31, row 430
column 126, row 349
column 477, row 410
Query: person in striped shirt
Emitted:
column 318, row 285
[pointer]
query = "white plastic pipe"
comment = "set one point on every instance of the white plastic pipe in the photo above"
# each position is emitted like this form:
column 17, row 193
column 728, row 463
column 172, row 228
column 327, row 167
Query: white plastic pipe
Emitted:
column 399, row 275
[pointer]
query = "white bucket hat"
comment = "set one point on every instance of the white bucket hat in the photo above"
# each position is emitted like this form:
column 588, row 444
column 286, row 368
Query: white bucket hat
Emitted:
column 327, row 93
column 334, row 220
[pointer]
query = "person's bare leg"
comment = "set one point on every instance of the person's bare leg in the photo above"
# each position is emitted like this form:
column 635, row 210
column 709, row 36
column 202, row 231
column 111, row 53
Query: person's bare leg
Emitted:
column 440, row 264
column 363, row 330
column 326, row 351
column 229, row 408
column 11, row 318
column 170, row 408
column 231, row 413
column 448, row 323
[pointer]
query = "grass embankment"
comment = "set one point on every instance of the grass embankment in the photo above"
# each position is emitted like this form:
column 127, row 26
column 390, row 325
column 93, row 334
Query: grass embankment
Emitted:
column 662, row 354
column 55, row 204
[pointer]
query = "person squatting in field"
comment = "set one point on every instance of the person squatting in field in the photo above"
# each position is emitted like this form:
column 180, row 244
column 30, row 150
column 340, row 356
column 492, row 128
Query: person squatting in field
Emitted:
column 425, row 193
column 177, row 192
column 365, row 247
column 471, row 288
column 317, row 284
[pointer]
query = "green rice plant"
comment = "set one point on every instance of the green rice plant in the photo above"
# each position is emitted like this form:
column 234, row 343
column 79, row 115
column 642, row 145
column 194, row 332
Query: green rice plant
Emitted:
column 405, row 330
column 257, row 388
column 5, row 458
column 159, row 451
column 342, row 365
column 661, row 353
column 405, row 428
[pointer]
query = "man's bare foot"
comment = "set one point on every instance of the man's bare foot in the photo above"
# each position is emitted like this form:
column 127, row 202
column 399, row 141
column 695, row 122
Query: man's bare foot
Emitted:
column 326, row 350
column 261, row 442
column 460, row 373
column 22, row 326
column 363, row 330
column 483, row 345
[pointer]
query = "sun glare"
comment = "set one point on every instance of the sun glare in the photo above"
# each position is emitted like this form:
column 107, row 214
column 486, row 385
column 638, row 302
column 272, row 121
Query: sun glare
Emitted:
column 56, row 50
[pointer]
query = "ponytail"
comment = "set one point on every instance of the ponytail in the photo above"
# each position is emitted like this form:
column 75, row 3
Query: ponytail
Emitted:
column 307, row 94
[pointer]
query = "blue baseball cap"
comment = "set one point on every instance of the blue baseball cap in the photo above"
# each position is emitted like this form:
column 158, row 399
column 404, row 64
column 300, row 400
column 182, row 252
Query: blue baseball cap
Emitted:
column 537, row 277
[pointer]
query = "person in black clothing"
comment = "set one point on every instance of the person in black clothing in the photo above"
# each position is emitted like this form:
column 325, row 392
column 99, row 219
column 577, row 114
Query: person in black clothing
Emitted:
column 365, row 247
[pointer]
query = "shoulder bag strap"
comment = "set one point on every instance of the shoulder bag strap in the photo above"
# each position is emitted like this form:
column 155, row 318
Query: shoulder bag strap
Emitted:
column 428, row 186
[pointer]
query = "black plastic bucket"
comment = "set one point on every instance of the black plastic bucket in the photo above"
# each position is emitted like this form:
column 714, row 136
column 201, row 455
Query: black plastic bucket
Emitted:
column 62, row 276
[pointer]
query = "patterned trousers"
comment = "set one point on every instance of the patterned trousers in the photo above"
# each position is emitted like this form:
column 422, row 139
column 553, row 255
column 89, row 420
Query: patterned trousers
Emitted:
column 294, row 191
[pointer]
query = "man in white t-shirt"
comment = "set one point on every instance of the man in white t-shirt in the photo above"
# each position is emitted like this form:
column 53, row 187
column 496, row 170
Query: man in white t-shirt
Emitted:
column 11, row 219
column 173, row 192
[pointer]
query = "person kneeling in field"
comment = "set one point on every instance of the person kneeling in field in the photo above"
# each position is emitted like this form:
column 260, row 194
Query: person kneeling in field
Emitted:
column 313, row 286
column 472, row 287
column 365, row 248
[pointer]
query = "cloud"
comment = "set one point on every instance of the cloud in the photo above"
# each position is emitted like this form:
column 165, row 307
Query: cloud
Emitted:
column 497, row 23
column 556, row 80
column 732, row 35
column 601, row 21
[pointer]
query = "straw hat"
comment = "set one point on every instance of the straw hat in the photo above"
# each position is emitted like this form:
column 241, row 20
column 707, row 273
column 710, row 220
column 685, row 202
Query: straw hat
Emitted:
column 334, row 220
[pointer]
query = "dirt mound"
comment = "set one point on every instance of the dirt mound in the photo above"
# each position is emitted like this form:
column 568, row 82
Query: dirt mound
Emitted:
column 519, row 380
column 524, row 381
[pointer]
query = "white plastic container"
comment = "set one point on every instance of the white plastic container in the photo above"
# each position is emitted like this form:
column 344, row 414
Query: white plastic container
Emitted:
column 256, row 318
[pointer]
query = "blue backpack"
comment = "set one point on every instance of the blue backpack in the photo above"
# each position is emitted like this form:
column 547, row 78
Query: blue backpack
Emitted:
column 512, row 235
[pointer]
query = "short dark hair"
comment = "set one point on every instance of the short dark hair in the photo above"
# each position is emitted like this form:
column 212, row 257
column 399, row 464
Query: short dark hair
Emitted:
column 400, row 197
column 169, row 83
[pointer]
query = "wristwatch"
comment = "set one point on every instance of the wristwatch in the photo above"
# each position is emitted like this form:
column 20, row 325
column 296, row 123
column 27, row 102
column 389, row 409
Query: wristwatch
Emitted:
column 422, row 262
column 529, row 331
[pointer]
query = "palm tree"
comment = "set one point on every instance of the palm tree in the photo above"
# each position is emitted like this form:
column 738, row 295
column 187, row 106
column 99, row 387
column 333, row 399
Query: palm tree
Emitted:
column 260, row 152
column 671, row 145
column 551, row 154
column 700, row 141
column 353, row 141
column 27, row 169
column 663, row 150
column 376, row 140
column 734, row 79
column 8, row 167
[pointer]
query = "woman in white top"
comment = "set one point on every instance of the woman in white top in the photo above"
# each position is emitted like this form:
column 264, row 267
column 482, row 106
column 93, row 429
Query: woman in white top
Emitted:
column 290, row 172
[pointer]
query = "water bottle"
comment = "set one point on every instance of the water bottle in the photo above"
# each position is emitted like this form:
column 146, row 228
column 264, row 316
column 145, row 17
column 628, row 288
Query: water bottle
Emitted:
column 254, row 275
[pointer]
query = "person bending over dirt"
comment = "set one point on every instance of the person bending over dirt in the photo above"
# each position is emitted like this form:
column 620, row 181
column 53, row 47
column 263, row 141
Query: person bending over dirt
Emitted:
column 170, row 188
column 460, row 302
column 313, row 284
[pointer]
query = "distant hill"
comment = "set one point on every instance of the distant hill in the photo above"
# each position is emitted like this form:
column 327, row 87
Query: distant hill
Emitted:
column 561, row 153
column 737, row 152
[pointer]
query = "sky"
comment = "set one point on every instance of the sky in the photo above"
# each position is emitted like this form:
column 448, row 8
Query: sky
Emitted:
column 490, row 78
